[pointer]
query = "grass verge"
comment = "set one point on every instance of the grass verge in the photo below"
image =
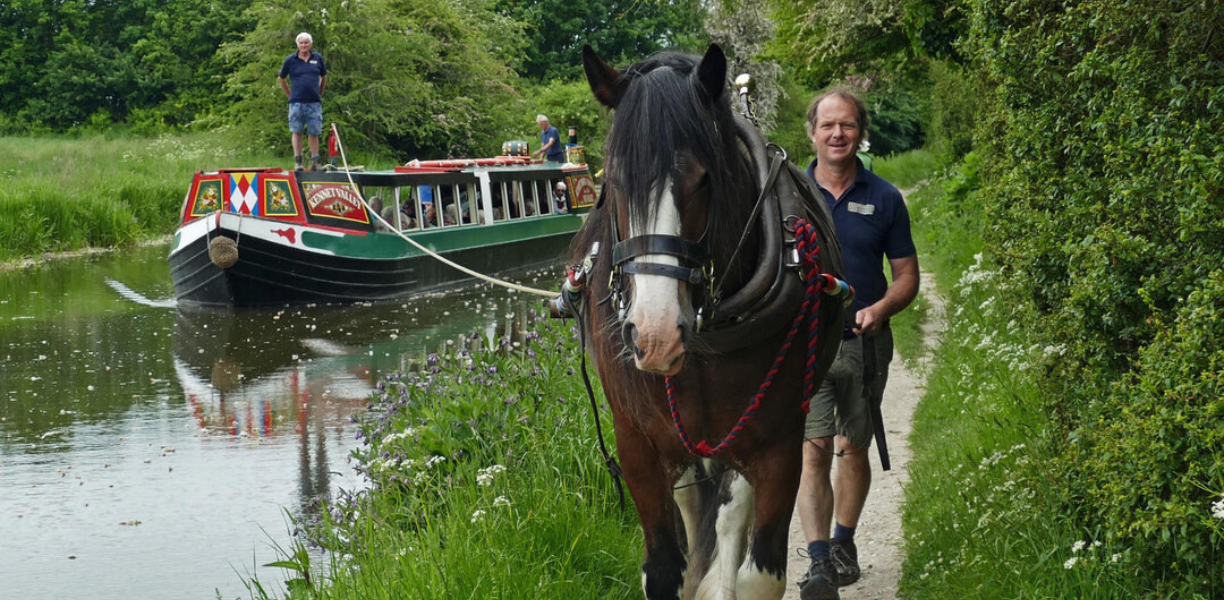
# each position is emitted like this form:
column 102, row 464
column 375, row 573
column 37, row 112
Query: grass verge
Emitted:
column 63, row 194
column 486, row 482
column 906, row 169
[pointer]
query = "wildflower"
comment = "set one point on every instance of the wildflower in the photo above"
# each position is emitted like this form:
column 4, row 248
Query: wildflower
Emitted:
column 1217, row 508
column 501, row 501
column 484, row 477
column 1066, row 565
column 1115, row 557
column 478, row 516
column 1078, row 545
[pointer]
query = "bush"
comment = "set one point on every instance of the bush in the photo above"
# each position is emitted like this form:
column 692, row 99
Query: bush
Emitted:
column 1102, row 151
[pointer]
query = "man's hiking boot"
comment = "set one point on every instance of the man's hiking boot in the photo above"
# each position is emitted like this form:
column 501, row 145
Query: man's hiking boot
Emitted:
column 316, row 164
column 297, row 162
column 845, row 561
column 820, row 581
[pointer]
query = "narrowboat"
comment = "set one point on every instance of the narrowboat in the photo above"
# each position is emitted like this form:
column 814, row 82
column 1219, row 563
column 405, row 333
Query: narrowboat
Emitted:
column 270, row 236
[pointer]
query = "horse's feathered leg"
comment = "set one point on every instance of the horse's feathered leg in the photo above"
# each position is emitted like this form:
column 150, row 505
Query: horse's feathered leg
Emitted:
column 733, row 517
column 650, row 483
column 763, row 572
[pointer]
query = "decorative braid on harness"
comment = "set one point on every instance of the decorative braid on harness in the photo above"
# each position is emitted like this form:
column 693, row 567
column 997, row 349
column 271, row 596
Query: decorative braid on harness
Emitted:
column 808, row 245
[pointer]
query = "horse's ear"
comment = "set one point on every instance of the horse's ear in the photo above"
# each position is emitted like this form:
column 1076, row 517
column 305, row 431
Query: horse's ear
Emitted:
column 712, row 73
column 605, row 81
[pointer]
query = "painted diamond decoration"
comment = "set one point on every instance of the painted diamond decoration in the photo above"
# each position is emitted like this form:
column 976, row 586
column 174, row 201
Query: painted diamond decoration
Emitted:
column 244, row 194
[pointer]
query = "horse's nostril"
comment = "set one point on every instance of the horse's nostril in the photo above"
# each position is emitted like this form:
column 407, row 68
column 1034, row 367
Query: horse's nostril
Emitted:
column 629, row 335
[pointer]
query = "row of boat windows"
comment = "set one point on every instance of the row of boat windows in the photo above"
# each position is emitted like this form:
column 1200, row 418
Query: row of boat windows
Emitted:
column 420, row 207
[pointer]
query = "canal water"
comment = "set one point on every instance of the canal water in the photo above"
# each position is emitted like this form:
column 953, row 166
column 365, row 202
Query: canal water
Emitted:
column 148, row 451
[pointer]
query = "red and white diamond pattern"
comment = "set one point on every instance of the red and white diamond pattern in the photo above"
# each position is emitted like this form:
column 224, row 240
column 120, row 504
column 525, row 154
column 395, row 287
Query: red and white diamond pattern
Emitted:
column 244, row 195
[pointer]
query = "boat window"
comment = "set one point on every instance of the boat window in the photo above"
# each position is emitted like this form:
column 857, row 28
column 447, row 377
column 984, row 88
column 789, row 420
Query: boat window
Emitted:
column 427, row 205
column 540, row 188
column 467, row 208
column 522, row 200
column 380, row 201
column 498, row 190
column 407, row 208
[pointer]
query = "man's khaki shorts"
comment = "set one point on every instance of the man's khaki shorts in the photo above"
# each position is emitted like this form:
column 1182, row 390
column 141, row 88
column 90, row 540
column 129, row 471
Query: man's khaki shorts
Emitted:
column 839, row 406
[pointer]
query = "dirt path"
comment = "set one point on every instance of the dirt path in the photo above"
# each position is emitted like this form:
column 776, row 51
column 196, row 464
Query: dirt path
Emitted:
column 878, row 537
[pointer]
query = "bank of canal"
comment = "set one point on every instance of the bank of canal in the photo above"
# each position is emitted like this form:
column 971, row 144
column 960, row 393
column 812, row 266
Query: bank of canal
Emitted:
column 152, row 452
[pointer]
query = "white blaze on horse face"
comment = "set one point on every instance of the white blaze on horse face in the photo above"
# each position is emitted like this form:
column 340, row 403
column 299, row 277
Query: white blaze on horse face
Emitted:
column 655, row 311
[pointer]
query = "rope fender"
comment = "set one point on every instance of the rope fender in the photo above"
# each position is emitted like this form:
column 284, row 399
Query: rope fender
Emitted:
column 808, row 245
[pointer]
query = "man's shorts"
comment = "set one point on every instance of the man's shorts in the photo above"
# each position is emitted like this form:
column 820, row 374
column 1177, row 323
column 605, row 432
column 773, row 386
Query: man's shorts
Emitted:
column 839, row 406
column 306, row 115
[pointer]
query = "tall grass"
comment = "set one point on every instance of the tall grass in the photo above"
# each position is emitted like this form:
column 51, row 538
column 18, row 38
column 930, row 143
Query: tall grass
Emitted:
column 486, row 482
column 980, row 516
column 906, row 169
column 59, row 194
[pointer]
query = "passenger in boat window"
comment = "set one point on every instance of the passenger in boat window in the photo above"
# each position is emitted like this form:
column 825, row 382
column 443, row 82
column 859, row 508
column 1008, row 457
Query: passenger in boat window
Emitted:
column 559, row 197
column 451, row 215
column 408, row 218
column 376, row 208
column 307, row 75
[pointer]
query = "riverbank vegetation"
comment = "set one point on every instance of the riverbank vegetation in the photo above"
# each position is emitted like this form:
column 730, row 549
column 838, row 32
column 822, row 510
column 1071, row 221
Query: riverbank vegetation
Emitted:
column 485, row 481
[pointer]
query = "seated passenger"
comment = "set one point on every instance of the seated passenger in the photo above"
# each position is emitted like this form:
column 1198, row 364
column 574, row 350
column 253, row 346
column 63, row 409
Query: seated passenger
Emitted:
column 559, row 198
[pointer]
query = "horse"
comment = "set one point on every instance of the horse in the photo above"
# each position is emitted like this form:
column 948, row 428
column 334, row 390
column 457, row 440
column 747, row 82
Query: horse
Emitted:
column 696, row 234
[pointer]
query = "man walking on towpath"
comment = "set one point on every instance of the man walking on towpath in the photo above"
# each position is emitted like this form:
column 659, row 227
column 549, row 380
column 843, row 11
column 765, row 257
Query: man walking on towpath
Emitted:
column 872, row 222
column 307, row 77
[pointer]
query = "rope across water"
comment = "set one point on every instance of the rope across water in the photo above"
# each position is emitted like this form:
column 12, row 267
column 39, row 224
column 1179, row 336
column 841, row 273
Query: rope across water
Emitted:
column 808, row 245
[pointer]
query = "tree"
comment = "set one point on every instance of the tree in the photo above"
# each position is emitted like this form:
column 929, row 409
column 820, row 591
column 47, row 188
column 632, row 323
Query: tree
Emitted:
column 419, row 78
column 623, row 31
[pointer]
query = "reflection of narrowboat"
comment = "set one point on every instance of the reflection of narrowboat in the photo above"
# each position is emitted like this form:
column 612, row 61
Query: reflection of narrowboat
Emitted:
column 253, row 237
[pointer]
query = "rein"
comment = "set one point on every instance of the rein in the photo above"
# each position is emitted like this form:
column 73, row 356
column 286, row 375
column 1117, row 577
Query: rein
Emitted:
column 808, row 246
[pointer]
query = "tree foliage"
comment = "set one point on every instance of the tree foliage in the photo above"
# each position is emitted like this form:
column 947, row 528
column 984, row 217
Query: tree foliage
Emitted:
column 419, row 78
column 1105, row 163
column 68, row 63
column 622, row 31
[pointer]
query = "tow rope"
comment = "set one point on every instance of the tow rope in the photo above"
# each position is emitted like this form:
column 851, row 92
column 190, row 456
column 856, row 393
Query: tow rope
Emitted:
column 808, row 246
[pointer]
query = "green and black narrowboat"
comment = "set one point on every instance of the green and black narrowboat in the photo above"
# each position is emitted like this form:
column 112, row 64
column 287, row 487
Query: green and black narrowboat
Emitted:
column 268, row 236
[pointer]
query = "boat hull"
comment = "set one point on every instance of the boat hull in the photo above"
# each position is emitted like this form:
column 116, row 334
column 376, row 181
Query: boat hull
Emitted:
column 280, row 263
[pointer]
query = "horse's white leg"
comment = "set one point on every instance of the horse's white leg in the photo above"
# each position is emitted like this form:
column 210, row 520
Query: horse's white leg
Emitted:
column 688, row 500
column 752, row 583
column 734, row 518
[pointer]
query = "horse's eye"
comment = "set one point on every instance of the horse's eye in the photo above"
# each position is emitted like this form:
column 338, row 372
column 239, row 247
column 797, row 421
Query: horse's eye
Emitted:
column 702, row 183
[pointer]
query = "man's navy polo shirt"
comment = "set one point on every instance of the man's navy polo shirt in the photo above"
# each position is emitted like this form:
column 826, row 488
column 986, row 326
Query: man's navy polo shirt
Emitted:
column 871, row 221
column 304, row 77
column 555, row 153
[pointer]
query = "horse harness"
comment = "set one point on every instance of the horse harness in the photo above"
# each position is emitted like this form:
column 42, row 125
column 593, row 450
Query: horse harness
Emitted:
column 772, row 294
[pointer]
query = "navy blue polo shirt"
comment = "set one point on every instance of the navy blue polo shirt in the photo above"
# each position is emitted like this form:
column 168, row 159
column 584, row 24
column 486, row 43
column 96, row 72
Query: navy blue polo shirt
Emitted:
column 871, row 222
column 304, row 77
column 555, row 153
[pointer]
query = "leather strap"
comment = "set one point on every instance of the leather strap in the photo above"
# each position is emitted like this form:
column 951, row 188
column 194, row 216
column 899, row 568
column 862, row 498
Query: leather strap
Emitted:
column 693, row 276
column 668, row 245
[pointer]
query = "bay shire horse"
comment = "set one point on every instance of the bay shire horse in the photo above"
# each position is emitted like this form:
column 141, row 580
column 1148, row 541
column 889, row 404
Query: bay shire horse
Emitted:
column 703, row 253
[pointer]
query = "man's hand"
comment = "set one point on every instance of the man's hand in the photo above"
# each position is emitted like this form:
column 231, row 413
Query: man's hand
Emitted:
column 868, row 320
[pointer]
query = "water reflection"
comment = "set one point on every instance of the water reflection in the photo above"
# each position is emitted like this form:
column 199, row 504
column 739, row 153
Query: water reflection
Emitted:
column 148, row 451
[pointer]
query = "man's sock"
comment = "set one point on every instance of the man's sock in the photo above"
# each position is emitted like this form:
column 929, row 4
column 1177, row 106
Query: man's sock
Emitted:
column 841, row 533
column 818, row 549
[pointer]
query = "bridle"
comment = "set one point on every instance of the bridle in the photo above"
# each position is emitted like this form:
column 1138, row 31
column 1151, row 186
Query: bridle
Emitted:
column 695, row 269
